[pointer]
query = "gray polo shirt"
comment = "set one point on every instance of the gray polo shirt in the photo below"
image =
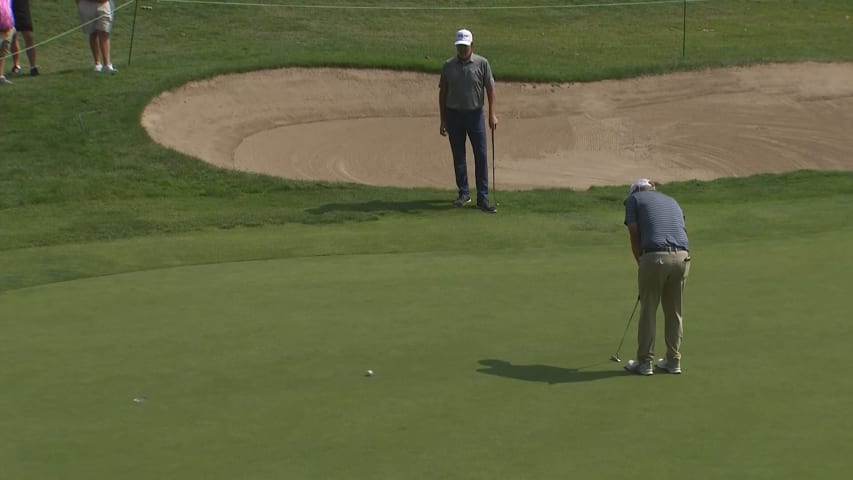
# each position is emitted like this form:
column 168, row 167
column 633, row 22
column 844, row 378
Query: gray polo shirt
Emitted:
column 466, row 82
column 659, row 219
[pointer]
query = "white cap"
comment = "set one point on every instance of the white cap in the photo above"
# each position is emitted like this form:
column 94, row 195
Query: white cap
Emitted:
column 641, row 183
column 464, row 37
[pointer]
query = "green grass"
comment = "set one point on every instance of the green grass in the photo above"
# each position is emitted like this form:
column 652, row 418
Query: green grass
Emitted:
column 52, row 169
column 488, row 365
column 246, row 308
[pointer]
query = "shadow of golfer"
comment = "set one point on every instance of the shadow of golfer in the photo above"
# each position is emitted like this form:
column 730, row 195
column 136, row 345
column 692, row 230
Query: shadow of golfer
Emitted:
column 545, row 373
column 380, row 206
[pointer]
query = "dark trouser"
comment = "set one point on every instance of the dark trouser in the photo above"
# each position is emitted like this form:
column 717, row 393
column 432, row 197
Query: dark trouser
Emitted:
column 471, row 124
column 661, row 277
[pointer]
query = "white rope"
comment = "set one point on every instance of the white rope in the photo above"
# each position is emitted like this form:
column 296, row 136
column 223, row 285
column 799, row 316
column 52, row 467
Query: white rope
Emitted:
column 373, row 7
column 67, row 32
column 433, row 8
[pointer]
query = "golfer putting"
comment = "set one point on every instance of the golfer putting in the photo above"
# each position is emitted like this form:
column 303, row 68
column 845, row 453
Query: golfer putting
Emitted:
column 466, row 80
column 659, row 243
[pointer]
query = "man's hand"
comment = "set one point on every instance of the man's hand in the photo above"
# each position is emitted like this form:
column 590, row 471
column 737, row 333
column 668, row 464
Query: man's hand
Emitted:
column 493, row 121
column 443, row 129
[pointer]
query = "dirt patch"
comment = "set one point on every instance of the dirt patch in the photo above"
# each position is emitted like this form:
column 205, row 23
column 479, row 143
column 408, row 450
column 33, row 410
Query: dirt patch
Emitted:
column 381, row 128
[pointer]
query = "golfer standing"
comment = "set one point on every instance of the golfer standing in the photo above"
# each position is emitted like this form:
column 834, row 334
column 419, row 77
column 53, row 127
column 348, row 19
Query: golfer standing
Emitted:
column 465, row 80
column 659, row 243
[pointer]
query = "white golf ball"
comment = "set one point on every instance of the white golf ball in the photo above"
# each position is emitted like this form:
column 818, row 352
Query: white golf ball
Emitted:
column 369, row 373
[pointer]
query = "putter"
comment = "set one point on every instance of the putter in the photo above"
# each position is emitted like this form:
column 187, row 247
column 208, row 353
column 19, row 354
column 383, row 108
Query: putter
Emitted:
column 615, row 358
column 494, row 190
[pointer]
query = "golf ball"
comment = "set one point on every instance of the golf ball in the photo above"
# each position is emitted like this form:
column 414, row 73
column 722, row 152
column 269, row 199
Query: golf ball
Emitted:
column 369, row 373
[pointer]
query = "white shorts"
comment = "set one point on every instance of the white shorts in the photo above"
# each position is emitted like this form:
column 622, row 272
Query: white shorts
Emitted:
column 95, row 16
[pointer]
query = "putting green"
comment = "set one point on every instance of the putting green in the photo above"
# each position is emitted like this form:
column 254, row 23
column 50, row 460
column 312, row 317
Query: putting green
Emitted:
column 489, row 365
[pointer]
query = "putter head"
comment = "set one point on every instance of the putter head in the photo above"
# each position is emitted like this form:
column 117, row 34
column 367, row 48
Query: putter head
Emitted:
column 614, row 358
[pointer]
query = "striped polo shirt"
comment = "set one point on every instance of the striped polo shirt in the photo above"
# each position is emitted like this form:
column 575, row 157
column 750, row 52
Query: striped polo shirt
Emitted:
column 659, row 219
column 466, row 81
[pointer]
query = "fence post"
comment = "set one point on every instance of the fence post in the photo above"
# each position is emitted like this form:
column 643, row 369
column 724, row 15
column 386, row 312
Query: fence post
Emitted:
column 132, row 31
column 684, row 31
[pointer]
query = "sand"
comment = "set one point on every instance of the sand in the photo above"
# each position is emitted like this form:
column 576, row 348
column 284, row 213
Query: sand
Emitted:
column 382, row 128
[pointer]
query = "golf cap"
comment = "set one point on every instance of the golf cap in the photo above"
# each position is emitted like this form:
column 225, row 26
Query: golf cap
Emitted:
column 464, row 37
column 641, row 183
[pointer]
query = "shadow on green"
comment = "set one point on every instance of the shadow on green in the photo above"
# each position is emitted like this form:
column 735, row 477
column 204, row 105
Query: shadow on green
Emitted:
column 546, row 373
column 376, row 206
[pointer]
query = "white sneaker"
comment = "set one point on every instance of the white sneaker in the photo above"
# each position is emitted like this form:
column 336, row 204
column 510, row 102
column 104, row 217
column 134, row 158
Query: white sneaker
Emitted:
column 5, row 81
column 669, row 366
column 99, row 67
column 110, row 68
column 644, row 369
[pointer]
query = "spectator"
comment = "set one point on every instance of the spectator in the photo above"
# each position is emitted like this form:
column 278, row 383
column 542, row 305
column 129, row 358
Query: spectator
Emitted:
column 7, row 30
column 24, row 27
column 97, row 18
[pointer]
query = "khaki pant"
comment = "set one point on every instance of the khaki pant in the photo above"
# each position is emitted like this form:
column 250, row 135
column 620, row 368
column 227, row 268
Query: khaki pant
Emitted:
column 661, row 279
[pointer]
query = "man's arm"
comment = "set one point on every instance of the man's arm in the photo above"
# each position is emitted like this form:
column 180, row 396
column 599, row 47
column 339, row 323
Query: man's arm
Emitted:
column 493, row 115
column 442, row 110
column 634, row 232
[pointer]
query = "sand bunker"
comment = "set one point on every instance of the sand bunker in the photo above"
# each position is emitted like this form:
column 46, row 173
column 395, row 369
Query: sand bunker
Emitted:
column 381, row 127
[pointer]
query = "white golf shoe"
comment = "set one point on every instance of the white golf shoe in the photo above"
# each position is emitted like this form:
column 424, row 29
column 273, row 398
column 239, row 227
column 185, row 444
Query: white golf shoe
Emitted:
column 644, row 369
column 669, row 366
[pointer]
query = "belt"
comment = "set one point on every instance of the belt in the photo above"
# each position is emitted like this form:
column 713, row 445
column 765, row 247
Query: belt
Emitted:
column 662, row 249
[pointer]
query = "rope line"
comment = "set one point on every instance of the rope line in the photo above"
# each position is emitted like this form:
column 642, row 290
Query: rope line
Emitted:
column 370, row 7
column 67, row 32
column 431, row 8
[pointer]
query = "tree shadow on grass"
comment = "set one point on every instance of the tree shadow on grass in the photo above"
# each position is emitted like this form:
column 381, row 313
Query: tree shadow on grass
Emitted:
column 380, row 206
column 546, row 373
